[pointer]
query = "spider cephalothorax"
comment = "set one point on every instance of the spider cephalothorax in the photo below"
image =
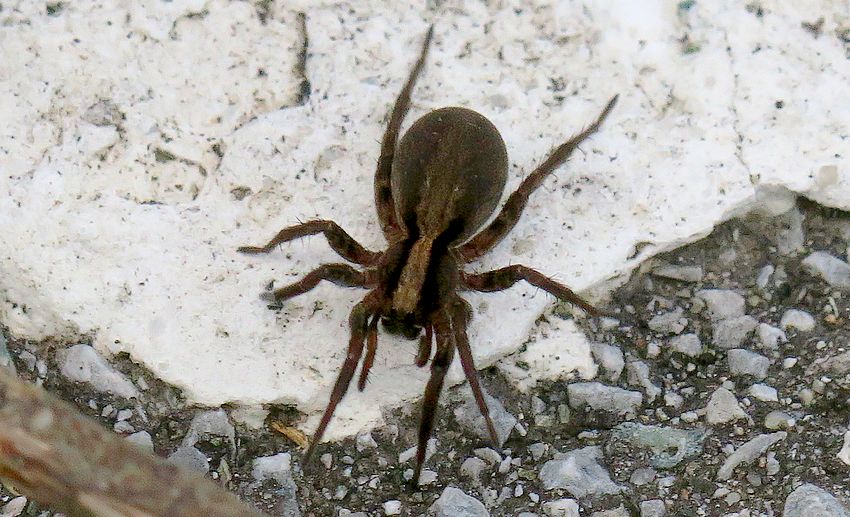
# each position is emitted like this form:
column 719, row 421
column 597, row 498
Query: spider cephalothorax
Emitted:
column 433, row 191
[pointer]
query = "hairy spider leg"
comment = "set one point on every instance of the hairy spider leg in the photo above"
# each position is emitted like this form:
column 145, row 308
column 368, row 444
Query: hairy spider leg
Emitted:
column 384, row 202
column 501, row 279
column 339, row 240
column 461, row 315
column 371, row 349
column 339, row 274
column 424, row 352
column 357, row 322
column 439, row 366
column 511, row 212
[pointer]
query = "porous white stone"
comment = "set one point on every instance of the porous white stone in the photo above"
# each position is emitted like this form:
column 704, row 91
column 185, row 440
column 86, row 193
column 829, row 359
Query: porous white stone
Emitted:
column 748, row 452
column 797, row 320
column 277, row 467
column 561, row 508
column 579, row 472
column 453, row 502
column 687, row 344
column 723, row 407
column 605, row 398
column 763, row 392
column 143, row 159
column 844, row 453
column 770, row 337
column 82, row 363
column 835, row 271
column 744, row 362
column 809, row 500
column 722, row 303
column 610, row 358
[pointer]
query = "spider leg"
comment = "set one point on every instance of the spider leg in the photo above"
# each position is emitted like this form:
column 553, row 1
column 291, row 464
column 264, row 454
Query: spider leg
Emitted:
column 339, row 274
column 460, row 320
column 357, row 322
column 500, row 279
column 439, row 366
column 371, row 348
column 383, row 191
column 511, row 212
column 424, row 352
column 338, row 239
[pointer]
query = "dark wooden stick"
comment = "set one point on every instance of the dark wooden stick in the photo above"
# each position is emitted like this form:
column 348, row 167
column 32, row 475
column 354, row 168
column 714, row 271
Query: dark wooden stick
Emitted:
column 62, row 459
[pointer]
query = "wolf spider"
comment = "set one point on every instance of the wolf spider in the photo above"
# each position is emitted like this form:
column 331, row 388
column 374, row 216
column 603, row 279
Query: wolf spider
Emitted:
column 433, row 190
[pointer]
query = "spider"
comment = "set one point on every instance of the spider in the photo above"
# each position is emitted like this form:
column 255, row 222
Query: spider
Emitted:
column 434, row 190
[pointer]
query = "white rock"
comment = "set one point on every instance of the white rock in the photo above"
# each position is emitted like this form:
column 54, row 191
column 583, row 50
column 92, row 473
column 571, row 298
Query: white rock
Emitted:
column 687, row 344
column 190, row 458
column 809, row 501
column 748, row 452
column 779, row 420
column 81, row 363
column 770, row 337
column 764, row 393
column 210, row 423
column 605, row 398
column 797, row 319
column 472, row 468
column 561, row 508
column 764, row 276
column 579, row 472
column 732, row 332
column 392, row 507
column 455, row 503
column 723, row 408
column 277, row 467
column 653, row 508
column 678, row 272
column 844, row 453
column 365, row 441
column 620, row 511
column 722, row 303
column 638, row 375
column 142, row 439
column 469, row 416
column 114, row 239
column 835, row 271
column 744, row 362
column 672, row 322
column 610, row 358
column 16, row 506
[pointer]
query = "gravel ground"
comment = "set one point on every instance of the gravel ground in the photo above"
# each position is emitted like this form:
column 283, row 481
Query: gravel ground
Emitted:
column 727, row 394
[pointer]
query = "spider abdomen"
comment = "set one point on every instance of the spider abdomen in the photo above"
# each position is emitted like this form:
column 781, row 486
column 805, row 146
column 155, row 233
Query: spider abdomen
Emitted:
column 448, row 174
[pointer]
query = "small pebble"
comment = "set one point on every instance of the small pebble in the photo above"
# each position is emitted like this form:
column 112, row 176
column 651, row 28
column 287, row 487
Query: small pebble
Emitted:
column 561, row 508
column 653, row 508
column 392, row 507
column 686, row 344
column 797, row 319
column 365, row 441
column 453, row 502
column 764, row 393
column 723, row 408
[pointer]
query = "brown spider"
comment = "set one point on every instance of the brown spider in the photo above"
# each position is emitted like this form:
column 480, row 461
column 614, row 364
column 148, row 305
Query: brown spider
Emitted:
column 433, row 191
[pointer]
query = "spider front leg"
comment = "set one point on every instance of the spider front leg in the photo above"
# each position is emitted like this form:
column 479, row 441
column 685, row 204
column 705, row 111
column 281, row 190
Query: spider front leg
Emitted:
column 511, row 212
column 357, row 322
column 439, row 366
column 500, row 279
column 461, row 315
column 339, row 274
column 339, row 240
